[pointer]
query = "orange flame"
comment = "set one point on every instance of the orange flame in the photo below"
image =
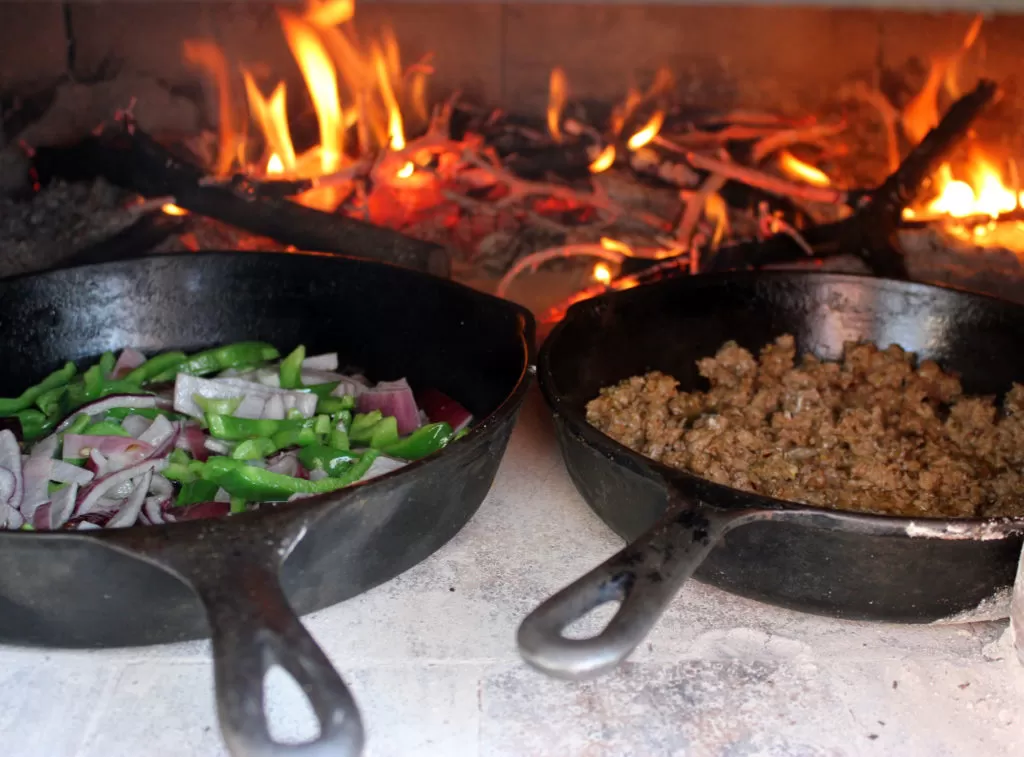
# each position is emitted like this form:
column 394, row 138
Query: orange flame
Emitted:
column 558, row 92
column 604, row 160
column 983, row 195
column 322, row 82
column 326, row 13
column 602, row 273
column 648, row 132
column 173, row 210
column 798, row 169
column 207, row 55
column 275, row 165
column 272, row 116
column 396, row 131
column 616, row 246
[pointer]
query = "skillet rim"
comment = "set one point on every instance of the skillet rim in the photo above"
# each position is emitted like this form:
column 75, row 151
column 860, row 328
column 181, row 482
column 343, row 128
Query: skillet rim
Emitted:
column 966, row 529
column 527, row 329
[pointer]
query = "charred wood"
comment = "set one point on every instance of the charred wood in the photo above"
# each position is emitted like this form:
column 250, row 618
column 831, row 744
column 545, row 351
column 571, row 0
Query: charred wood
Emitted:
column 129, row 158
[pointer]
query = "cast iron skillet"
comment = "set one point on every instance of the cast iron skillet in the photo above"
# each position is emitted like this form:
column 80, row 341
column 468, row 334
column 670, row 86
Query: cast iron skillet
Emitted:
column 816, row 560
column 244, row 579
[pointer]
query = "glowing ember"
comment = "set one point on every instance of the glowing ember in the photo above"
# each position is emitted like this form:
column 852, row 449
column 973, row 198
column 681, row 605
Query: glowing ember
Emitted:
column 274, row 165
column 648, row 132
column 173, row 210
column 602, row 273
column 604, row 160
column 798, row 169
column 558, row 93
column 406, row 171
column 616, row 246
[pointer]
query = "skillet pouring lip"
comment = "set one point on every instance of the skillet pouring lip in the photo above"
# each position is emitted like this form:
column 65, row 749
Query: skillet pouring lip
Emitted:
column 711, row 493
column 509, row 405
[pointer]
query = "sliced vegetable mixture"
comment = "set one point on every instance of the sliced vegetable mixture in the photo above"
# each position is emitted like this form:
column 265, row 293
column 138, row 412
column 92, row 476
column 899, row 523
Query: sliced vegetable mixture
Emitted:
column 118, row 444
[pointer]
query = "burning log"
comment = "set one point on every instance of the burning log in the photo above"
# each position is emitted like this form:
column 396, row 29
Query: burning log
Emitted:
column 131, row 159
column 870, row 232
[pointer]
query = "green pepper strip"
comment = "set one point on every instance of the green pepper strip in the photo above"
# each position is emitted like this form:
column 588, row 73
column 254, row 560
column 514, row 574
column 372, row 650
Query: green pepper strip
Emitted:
column 196, row 491
column 215, row 406
column 34, row 424
column 424, row 441
column 105, row 428
column 291, row 369
column 323, row 390
column 157, row 367
column 334, row 405
column 384, row 433
column 12, row 405
column 361, row 428
column 231, row 356
column 233, row 429
column 336, row 462
column 252, row 484
column 120, row 413
column 339, row 439
column 78, row 425
column 254, row 449
column 107, row 363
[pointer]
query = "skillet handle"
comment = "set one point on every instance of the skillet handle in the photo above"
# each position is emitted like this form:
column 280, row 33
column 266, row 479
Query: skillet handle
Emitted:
column 253, row 628
column 644, row 577
column 234, row 568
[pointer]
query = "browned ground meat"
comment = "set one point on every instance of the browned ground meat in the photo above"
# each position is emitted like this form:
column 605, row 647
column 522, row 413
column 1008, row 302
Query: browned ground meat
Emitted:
column 876, row 432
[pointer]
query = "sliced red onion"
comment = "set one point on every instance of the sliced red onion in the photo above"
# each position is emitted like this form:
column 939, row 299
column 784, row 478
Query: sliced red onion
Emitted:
column 158, row 432
column 218, row 446
column 57, row 513
column 349, row 386
column 66, row 473
column 116, row 452
column 202, row 510
column 392, row 398
column 96, row 463
column 101, row 486
column 274, row 408
column 286, row 463
column 326, row 362
column 127, row 362
column 101, row 406
column 221, row 496
column 192, row 440
column 316, row 475
column 36, row 474
column 154, row 512
column 85, row 525
column 132, row 506
column 46, row 448
column 254, row 396
column 112, row 481
column 10, row 458
column 10, row 518
column 6, row 485
column 136, row 425
column 383, row 465
column 161, row 487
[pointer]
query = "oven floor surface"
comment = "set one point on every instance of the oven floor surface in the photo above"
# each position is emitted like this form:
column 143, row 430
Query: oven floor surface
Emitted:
column 432, row 662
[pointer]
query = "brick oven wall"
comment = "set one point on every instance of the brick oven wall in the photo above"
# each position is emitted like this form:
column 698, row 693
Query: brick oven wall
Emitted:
column 502, row 52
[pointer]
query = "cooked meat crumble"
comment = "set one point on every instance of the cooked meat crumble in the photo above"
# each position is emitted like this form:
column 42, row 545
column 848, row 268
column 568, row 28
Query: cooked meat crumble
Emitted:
column 876, row 432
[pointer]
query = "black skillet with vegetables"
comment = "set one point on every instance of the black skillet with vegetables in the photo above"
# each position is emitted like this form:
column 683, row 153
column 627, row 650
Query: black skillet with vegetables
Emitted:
column 175, row 437
column 270, row 429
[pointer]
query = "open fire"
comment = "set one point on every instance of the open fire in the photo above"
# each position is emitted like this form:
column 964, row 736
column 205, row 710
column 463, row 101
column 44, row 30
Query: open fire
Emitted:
column 608, row 197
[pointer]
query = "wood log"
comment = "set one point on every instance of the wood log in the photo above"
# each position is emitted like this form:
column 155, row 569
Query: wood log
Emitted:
column 130, row 158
